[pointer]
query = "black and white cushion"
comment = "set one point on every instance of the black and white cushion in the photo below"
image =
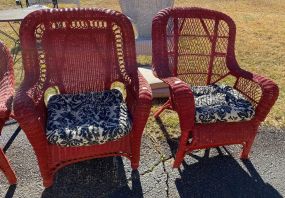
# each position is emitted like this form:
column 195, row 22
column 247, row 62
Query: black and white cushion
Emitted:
column 87, row 119
column 220, row 103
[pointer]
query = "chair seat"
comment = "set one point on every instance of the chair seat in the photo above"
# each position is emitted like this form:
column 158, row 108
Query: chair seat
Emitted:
column 87, row 119
column 220, row 103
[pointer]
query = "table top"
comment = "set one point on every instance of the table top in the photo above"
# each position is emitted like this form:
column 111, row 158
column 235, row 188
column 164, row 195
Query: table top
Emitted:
column 18, row 14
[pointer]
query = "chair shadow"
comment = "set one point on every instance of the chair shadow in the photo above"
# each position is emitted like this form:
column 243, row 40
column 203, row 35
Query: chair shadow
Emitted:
column 172, row 143
column 104, row 177
column 218, row 176
column 11, row 190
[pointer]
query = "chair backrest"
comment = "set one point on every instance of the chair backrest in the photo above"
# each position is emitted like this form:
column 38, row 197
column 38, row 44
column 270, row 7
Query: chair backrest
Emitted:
column 78, row 50
column 142, row 12
column 193, row 44
column 7, row 81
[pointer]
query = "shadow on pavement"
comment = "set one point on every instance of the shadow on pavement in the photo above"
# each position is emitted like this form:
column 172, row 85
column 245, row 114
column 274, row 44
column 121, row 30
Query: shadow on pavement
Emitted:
column 218, row 176
column 11, row 191
column 104, row 177
column 222, row 175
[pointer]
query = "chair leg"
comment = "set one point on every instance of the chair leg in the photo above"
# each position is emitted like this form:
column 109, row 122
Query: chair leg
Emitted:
column 179, row 157
column 246, row 149
column 135, row 159
column 181, row 151
column 135, row 164
column 5, row 166
column 162, row 108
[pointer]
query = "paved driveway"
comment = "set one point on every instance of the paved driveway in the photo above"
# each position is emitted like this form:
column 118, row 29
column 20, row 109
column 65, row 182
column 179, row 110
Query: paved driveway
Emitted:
column 217, row 172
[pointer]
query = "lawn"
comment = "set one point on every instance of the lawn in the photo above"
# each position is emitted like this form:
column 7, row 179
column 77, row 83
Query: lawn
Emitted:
column 260, row 46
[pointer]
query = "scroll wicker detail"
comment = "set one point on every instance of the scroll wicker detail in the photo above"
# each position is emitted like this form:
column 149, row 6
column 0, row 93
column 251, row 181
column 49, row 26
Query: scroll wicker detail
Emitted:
column 78, row 51
column 7, row 83
column 195, row 46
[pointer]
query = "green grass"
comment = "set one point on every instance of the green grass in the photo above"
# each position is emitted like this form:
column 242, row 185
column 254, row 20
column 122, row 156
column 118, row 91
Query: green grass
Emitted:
column 260, row 47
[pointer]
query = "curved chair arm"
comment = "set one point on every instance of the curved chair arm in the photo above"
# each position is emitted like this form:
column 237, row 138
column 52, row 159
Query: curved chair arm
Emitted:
column 27, row 113
column 182, row 101
column 7, row 81
column 6, row 95
column 269, row 91
column 139, row 95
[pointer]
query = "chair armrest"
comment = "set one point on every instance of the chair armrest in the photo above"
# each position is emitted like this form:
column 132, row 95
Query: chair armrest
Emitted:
column 269, row 92
column 29, row 112
column 7, row 81
column 6, row 95
column 139, row 98
column 182, row 101
column 139, row 94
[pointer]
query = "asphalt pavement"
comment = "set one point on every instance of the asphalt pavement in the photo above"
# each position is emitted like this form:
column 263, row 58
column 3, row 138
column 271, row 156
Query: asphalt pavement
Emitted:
column 216, row 172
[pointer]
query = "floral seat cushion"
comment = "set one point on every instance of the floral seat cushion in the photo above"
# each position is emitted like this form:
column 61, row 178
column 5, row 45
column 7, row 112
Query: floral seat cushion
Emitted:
column 87, row 119
column 219, row 103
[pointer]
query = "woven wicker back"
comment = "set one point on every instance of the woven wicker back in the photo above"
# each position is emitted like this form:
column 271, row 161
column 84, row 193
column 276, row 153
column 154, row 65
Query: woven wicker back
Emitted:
column 197, row 43
column 77, row 50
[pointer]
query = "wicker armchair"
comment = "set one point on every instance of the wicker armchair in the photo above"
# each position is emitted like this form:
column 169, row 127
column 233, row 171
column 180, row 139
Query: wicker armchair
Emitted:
column 141, row 12
column 78, row 51
column 6, row 97
column 194, row 47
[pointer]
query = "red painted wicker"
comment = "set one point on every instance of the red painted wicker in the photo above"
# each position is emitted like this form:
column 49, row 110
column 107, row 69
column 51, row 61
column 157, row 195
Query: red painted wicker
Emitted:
column 6, row 97
column 195, row 46
column 78, row 50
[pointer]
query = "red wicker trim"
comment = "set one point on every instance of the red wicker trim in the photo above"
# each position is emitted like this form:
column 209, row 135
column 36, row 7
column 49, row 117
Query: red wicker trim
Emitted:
column 40, row 73
column 166, row 53
column 7, row 83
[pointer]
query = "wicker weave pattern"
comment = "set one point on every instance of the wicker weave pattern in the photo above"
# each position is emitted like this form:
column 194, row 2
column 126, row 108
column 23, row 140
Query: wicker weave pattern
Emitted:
column 7, row 83
column 196, row 46
column 78, row 50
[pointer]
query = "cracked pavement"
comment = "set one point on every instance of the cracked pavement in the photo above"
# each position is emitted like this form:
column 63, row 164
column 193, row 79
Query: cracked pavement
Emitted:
column 216, row 172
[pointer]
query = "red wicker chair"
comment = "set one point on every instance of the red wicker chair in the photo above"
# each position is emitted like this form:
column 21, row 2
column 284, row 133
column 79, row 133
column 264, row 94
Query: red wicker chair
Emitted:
column 78, row 50
column 195, row 46
column 6, row 98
